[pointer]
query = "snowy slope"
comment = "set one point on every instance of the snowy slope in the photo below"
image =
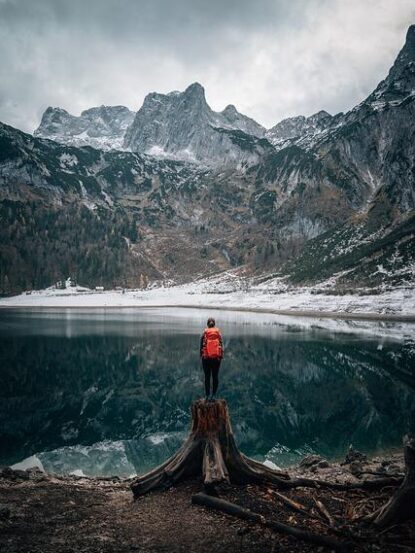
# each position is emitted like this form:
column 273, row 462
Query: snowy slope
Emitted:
column 229, row 291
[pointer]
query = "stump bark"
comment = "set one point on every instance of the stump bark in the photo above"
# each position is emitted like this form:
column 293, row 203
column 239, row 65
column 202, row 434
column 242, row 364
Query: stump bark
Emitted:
column 401, row 505
column 210, row 452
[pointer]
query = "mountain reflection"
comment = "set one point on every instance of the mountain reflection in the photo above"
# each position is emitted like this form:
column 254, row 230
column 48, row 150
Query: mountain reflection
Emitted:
column 71, row 379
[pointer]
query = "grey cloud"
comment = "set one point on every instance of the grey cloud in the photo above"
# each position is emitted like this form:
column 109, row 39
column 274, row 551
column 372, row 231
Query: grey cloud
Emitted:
column 118, row 17
column 270, row 58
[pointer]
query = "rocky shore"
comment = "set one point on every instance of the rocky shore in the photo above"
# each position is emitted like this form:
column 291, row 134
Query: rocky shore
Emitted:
column 45, row 513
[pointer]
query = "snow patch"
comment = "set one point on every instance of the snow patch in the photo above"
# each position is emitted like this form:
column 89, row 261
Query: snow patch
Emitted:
column 29, row 463
column 271, row 465
column 77, row 472
column 272, row 295
column 67, row 160
column 157, row 439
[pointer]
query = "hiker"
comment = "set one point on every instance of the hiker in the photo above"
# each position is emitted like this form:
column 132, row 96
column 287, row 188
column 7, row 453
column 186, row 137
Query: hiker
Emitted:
column 211, row 353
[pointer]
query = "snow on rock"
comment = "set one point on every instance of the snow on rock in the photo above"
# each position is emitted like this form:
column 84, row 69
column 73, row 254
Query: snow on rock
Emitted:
column 67, row 160
column 78, row 472
column 29, row 463
column 271, row 465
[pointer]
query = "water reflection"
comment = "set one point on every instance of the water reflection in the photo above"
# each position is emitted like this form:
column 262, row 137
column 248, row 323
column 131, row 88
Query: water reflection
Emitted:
column 124, row 381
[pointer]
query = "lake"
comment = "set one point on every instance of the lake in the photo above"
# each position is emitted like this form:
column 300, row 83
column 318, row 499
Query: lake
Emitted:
column 105, row 392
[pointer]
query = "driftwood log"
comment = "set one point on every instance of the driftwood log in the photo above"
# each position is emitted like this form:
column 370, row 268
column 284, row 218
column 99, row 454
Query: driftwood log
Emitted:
column 210, row 452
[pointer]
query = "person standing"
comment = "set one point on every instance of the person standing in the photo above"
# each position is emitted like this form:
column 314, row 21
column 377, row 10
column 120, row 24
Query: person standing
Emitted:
column 211, row 353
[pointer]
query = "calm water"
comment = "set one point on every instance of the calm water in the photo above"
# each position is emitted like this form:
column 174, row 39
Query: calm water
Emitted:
column 108, row 392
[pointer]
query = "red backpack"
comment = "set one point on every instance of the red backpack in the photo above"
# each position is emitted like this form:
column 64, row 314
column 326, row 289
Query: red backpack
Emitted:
column 212, row 343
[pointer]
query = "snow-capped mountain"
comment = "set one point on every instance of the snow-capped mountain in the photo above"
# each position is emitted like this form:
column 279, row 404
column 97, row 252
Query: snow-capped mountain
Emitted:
column 183, row 126
column 101, row 127
column 335, row 193
column 231, row 117
column 298, row 130
column 178, row 125
column 399, row 85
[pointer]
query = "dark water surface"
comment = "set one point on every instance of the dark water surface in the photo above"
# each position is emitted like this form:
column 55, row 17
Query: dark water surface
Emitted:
column 109, row 391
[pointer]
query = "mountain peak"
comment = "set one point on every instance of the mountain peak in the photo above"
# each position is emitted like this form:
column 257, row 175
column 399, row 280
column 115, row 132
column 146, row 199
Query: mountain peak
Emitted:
column 195, row 89
column 406, row 55
column 51, row 109
column 319, row 118
column 102, row 109
column 101, row 126
column 52, row 118
column 321, row 113
column 410, row 35
column 400, row 81
column 230, row 110
column 231, row 117
column 293, row 129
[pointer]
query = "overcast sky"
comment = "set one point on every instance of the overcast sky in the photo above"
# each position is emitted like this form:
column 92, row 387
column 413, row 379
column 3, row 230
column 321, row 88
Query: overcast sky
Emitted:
column 271, row 58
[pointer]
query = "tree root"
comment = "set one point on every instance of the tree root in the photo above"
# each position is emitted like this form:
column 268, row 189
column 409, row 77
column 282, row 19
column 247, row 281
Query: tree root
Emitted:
column 401, row 506
column 210, row 451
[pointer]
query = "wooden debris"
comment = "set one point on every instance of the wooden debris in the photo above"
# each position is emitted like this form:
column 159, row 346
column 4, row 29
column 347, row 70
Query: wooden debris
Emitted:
column 240, row 512
column 323, row 510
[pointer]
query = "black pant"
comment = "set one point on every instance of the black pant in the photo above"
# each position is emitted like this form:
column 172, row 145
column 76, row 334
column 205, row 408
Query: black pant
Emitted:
column 211, row 367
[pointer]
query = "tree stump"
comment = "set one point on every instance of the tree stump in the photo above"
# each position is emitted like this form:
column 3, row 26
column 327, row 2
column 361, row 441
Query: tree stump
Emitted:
column 401, row 505
column 210, row 452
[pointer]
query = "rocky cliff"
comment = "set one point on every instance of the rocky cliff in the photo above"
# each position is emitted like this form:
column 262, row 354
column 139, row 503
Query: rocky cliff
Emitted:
column 178, row 125
column 183, row 126
column 330, row 194
column 102, row 127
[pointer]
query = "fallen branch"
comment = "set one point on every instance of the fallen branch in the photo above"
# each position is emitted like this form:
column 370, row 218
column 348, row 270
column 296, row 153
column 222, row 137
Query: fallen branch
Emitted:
column 235, row 510
column 365, row 485
column 323, row 510
column 381, row 474
column 290, row 503
column 298, row 507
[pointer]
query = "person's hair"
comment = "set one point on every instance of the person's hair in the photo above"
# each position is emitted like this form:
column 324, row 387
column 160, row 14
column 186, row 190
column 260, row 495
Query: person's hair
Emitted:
column 211, row 322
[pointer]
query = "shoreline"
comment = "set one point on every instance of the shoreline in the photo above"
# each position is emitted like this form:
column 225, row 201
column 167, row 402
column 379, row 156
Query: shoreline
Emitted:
column 40, row 512
column 368, row 316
